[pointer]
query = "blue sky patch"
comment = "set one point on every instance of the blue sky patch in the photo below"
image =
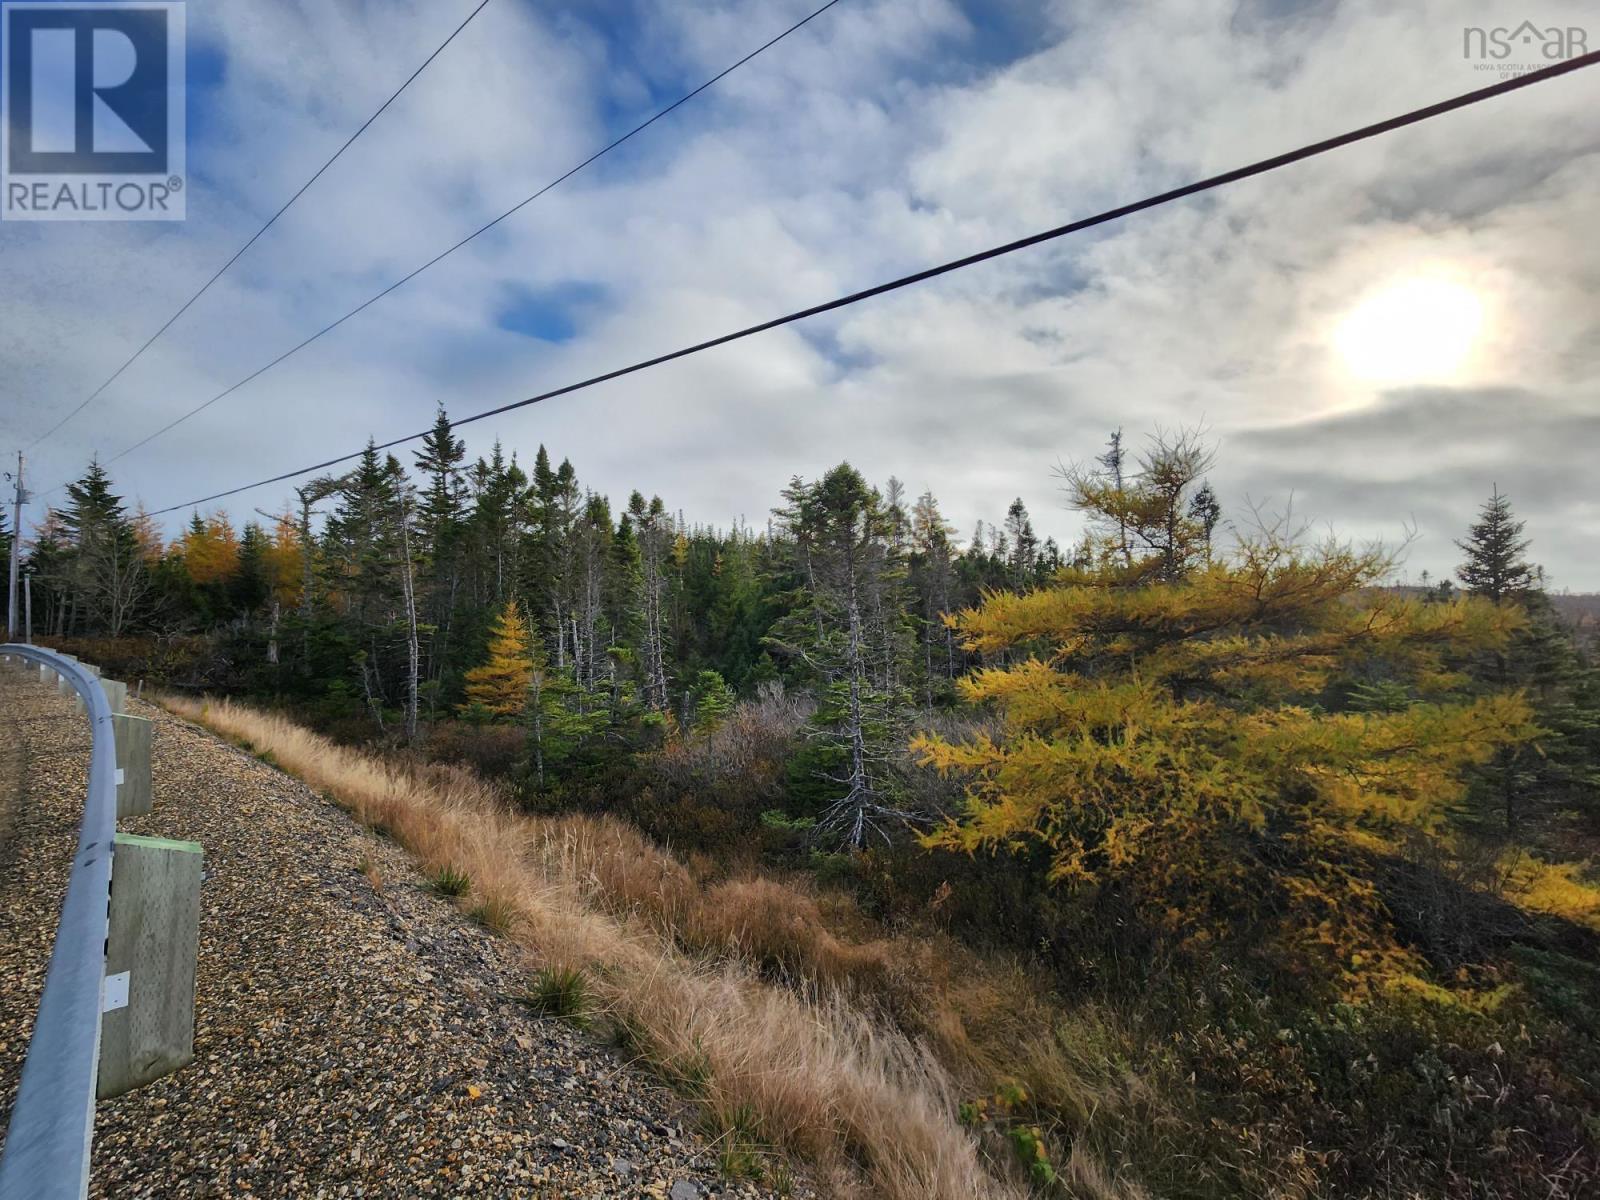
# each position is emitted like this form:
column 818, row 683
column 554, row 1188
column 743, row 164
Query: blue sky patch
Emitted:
column 551, row 314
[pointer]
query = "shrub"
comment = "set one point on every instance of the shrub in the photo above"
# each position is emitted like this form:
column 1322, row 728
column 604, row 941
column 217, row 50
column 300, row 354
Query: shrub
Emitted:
column 491, row 750
column 707, row 788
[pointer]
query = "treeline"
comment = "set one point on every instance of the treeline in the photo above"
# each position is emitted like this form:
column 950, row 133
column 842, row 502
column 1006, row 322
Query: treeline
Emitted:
column 390, row 593
column 379, row 589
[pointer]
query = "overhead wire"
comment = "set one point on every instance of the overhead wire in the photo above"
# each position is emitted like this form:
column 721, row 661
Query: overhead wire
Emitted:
column 1260, row 167
column 255, row 237
column 473, row 236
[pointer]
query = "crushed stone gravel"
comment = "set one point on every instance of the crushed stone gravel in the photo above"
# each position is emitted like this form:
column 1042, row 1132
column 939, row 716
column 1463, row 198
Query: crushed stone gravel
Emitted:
column 355, row 1035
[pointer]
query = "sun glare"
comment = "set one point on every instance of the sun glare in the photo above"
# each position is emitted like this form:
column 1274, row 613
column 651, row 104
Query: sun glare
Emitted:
column 1415, row 330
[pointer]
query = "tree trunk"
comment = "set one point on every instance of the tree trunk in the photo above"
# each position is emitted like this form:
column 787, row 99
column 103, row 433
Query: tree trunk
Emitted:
column 272, row 634
column 413, row 650
column 538, row 728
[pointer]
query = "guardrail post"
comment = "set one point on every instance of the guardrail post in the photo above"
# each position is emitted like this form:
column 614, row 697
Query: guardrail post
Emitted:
column 147, row 1026
column 116, row 694
column 134, row 791
column 93, row 670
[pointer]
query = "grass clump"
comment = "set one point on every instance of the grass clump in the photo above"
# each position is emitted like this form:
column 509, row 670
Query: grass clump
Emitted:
column 496, row 913
column 559, row 992
column 741, row 1152
column 449, row 882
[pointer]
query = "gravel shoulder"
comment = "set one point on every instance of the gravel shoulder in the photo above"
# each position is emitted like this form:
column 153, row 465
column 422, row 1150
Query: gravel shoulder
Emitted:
column 355, row 1035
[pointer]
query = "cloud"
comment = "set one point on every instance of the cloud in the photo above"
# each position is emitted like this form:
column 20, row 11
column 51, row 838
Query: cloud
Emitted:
column 881, row 138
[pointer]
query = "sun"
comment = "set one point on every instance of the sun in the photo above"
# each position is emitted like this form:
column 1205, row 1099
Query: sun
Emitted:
column 1415, row 330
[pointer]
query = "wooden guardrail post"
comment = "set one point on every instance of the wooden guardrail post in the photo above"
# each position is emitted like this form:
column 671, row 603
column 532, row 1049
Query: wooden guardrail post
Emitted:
column 116, row 694
column 134, row 791
column 93, row 670
column 147, row 1022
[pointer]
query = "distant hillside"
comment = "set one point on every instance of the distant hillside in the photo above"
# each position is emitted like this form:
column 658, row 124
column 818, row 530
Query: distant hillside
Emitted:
column 1580, row 609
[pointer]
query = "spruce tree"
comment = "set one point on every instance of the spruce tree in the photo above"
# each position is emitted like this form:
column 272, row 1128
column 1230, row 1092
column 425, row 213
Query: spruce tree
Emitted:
column 847, row 630
column 107, row 577
column 440, row 459
column 1495, row 567
column 1206, row 511
column 1024, row 545
column 1560, row 770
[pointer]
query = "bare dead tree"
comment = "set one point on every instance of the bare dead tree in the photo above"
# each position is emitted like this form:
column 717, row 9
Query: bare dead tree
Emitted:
column 408, row 589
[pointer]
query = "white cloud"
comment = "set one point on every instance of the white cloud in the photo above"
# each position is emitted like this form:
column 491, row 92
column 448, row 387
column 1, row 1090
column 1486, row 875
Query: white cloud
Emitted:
column 864, row 146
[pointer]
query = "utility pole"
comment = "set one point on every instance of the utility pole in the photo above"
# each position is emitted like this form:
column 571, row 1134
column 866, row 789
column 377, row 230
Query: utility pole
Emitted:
column 16, row 553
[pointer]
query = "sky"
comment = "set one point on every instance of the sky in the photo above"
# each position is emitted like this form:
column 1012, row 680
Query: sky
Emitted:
column 1376, row 338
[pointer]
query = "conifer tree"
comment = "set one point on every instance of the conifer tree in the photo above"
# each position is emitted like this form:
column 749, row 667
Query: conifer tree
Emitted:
column 1145, row 521
column 249, row 585
column 1495, row 567
column 107, row 576
column 933, row 579
column 654, row 532
column 500, row 687
column 1206, row 511
column 1024, row 545
column 1561, row 768
column 847, row 628
column 440, row 506
column 440, row 540
column 211, row 550
column 362, row 539
column 1168, row 748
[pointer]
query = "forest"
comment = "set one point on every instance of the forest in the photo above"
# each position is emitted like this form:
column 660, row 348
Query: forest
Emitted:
column 1261, row 874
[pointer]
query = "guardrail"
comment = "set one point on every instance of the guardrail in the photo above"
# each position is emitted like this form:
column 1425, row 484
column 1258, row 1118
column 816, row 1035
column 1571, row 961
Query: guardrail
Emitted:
column 47, row 1145
column 46, row 1153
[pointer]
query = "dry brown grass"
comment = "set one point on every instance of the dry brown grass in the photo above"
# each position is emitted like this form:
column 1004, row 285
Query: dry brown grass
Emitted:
column 675, row 966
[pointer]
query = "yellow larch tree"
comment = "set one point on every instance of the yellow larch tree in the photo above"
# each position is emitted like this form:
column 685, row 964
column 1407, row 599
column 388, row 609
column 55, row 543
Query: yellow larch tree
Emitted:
column 1190, row 748
column 147, row 534
column 285, row 564
column 500, row 687
column 211, row 549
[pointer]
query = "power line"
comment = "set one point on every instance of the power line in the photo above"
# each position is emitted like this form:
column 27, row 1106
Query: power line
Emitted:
column 1260, row 167
column 476, row 233
column 271, row 221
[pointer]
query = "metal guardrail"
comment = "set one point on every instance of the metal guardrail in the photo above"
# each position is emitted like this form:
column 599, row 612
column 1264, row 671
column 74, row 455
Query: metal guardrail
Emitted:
column 46, row 1155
